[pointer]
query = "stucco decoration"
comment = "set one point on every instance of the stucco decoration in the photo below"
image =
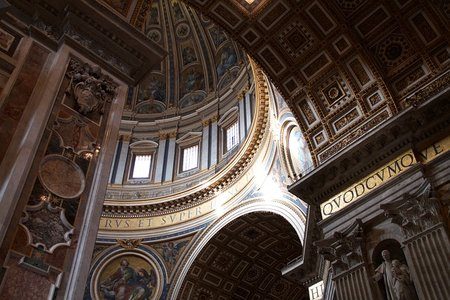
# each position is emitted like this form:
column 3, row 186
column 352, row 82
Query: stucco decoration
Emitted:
column 47, row 227
column 90, row 88
column 61, row 176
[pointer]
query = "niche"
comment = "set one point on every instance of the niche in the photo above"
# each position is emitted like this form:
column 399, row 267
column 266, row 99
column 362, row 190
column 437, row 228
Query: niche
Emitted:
column 401, row 286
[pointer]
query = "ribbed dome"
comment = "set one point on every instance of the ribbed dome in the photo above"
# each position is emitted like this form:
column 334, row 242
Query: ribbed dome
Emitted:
column 200, row 60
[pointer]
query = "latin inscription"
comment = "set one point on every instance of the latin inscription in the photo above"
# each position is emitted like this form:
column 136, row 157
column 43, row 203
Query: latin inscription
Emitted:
column 381, row 176
column 154, row 222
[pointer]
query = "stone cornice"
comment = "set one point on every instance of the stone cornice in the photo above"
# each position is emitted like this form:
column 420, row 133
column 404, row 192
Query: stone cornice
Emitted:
column 413, row 128
column 91, row 29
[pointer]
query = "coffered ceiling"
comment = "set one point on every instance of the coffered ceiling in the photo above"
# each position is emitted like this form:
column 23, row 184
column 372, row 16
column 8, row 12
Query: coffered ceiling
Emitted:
column 244, row 260
column 344, row 66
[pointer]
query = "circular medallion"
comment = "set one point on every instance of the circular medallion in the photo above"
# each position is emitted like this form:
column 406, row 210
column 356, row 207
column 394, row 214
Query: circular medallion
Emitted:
column 128, row 275
column 182, row 30
column 333, row 92
column 61, row 176
column 154, row 35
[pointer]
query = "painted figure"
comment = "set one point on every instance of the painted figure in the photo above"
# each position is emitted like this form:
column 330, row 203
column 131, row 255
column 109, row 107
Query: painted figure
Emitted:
column 227, row 60
column 188, row 55
column 127, row 284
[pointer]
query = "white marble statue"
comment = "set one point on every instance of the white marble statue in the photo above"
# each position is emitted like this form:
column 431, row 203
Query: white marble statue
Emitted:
column 403, row 286
column 384, row 271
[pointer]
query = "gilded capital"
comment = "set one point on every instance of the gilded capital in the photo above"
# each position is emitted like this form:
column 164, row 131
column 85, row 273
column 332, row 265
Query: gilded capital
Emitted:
column 126, row 137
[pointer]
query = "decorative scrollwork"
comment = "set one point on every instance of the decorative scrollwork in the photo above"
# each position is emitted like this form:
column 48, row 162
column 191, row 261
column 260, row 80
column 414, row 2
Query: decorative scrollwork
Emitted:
column 90, row 88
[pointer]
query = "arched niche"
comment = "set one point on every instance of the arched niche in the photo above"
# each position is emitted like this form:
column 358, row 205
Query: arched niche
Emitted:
column 260, row 236
column 296, row 156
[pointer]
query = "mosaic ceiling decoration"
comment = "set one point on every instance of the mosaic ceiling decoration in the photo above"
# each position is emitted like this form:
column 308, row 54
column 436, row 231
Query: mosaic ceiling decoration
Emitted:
column 201, row 58
column 344, row 67
column 244, row 260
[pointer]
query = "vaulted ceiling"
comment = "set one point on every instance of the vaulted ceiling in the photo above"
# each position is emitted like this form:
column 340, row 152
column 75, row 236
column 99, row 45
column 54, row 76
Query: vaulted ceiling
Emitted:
column 244, row 260
column 344, row 66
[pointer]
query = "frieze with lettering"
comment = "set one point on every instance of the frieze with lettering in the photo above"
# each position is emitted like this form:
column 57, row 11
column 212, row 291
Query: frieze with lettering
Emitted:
column 381, row 176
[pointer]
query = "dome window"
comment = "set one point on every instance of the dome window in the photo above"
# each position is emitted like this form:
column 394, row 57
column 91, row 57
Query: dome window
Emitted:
column 190, row 158
column 141, row 166
column 232, row 136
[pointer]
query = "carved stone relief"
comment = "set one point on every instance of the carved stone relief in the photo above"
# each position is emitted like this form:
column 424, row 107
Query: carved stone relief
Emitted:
column 344, row 249
column 89, row 87
column 414, row 213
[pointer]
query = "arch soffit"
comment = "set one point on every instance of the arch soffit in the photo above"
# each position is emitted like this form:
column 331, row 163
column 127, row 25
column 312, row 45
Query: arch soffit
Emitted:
column 280, row 207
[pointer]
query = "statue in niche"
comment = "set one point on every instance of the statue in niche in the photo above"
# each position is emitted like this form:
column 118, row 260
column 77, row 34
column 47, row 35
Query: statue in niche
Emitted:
column 384, row 271
column 403, row 286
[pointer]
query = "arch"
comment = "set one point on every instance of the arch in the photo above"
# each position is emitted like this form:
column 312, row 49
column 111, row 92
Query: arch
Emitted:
column 283, row 208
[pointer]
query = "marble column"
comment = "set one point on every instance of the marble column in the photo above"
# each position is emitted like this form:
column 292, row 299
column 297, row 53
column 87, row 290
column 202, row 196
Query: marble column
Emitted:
column 242, row 122
column 426, row 244
column 160, row 157
column 170, row 157
column 78, row 274
column 214, row 141
column 345, row 252
column 353, row 284
column 123, row 155
column 205, row 145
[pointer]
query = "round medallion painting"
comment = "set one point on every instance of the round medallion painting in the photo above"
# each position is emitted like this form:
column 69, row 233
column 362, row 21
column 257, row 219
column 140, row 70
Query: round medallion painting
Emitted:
column 128, row 276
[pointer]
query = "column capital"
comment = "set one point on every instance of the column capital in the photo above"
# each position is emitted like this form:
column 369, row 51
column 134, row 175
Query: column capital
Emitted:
column 414, row 213
column 344, row 249
column 205, row 123
column 214, row 118
column 126, row 137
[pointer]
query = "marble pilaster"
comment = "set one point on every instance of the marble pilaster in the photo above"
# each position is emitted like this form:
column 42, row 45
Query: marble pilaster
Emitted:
column 214, row 142
column 168, row 176
column 160, row 158
column 205, row 146
column 123, row 153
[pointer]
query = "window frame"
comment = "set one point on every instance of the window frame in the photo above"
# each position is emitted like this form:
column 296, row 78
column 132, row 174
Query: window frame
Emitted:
column 228, row 119
column 145, row 147
column 188, row 140
column 184, row 148
column 133, row 163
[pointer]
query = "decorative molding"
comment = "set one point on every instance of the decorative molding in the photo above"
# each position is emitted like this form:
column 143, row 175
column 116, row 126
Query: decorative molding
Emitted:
column 345, row 249
column 415, row 213
column 129, row 244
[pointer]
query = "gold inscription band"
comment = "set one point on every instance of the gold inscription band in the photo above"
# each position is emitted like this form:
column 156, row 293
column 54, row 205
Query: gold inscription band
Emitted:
column 381, row 176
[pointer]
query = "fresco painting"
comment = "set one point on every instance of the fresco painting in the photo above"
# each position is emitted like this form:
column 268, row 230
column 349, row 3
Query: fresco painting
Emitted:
column 127, row 277
column 227, row 59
